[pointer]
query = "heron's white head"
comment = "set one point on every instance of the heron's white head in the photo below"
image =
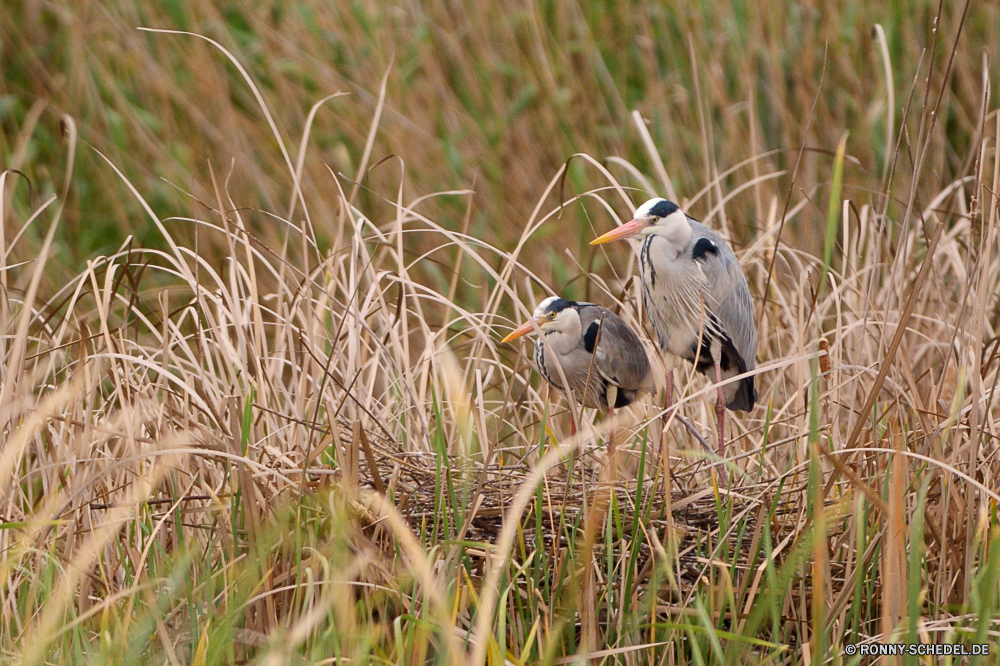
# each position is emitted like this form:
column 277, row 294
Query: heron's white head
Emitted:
column 552, row 314
column 656, row 216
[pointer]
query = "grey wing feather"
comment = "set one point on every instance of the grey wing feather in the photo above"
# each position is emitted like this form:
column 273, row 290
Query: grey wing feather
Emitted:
column 619, row 357
column 744, row 335
column 733, row 305
column 733, row 309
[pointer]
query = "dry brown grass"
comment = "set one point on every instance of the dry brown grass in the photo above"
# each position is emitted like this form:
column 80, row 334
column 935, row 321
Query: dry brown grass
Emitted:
column 300, row 440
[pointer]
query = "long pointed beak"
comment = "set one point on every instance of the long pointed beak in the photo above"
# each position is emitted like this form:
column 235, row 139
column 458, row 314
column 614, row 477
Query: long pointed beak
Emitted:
column 625, row 231
column 523, row 329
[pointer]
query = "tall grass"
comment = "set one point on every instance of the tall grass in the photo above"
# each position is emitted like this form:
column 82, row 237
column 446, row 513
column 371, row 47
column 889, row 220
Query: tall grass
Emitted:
column 274, row 422
column 476, row 102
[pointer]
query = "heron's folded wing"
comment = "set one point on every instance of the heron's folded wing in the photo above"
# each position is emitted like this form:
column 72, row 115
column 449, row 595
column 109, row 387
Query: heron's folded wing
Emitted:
column 734, row 311
column 618, row 352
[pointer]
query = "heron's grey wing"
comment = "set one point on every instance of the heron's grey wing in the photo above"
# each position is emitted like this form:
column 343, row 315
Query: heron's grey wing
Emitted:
column 618, row 351
column 732, row 306
column 735, row 311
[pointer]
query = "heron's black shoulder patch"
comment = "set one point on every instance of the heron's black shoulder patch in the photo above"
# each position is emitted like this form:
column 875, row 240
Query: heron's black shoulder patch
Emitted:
column 703, row 248
column 664, row 209
column 590, row 336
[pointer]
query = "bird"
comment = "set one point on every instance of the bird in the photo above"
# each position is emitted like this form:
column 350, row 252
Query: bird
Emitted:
column 696, row 295
column 589, row 349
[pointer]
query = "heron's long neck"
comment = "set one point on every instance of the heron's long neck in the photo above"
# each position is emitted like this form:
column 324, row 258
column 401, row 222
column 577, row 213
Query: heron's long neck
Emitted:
column 565, row 340
column 676, row 232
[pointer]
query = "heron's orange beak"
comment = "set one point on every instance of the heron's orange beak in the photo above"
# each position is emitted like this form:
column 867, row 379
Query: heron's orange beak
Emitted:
column 523, row 329
column 627, row 230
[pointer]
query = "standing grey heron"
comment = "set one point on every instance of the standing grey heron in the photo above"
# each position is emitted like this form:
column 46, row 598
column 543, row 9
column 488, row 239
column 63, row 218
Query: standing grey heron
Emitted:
column 695, row 293
column 590, row 349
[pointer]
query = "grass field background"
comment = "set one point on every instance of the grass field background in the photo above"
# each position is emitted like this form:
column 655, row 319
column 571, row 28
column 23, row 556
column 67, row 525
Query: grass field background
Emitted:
column 253, row 279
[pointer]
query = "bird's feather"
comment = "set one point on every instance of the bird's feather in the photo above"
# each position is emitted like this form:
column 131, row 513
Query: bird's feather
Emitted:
column 603, row 351
column 619, row 354
column 700, row 290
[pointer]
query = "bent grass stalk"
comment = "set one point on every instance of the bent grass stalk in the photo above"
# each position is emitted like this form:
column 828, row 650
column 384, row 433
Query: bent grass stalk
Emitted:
column 310, row 446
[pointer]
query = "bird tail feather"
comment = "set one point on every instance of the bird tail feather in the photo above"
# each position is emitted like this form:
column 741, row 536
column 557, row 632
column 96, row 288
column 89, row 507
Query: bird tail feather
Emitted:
column 745, row 396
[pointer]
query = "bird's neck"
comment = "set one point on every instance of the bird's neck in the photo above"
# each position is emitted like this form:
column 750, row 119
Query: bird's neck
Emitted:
column 668, row 246
column 677, row 230
column 564, row 341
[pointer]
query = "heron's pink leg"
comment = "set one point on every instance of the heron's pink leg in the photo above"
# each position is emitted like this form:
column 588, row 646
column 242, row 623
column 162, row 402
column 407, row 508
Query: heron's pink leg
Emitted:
column 668, row 398
column 611, row 435
column 720, row 415
column 668, row 401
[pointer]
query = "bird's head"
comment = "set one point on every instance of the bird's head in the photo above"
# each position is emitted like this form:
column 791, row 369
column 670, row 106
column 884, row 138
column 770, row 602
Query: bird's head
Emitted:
column 552, row 314
column 656, row 216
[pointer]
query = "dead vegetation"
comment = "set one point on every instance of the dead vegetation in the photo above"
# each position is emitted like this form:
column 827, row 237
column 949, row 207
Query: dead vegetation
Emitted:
column 313, row 451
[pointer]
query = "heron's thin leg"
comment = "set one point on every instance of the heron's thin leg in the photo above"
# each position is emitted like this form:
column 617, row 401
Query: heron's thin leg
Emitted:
column 572, row 423
column 611, row 434
column 668, row 402
column 668, row 399
column 720, row 415
column 611, row 396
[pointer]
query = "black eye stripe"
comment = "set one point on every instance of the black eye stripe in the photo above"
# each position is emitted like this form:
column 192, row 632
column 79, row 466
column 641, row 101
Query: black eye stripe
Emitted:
column 558, row 305
column 664, row 209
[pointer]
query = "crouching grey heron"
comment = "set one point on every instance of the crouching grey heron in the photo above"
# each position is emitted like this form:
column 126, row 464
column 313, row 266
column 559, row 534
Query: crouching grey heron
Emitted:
column 592, row 350
column 696, row 295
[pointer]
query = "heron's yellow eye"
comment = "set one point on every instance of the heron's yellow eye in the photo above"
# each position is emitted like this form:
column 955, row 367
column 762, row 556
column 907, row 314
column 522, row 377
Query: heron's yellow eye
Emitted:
column 552, row 315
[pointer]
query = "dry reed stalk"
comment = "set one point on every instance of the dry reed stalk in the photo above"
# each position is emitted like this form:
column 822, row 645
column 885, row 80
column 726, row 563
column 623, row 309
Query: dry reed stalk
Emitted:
column 286, row 351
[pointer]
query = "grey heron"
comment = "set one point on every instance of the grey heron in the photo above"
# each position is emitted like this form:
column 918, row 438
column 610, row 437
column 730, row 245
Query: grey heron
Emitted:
column 696, row 296
column 592, row 350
